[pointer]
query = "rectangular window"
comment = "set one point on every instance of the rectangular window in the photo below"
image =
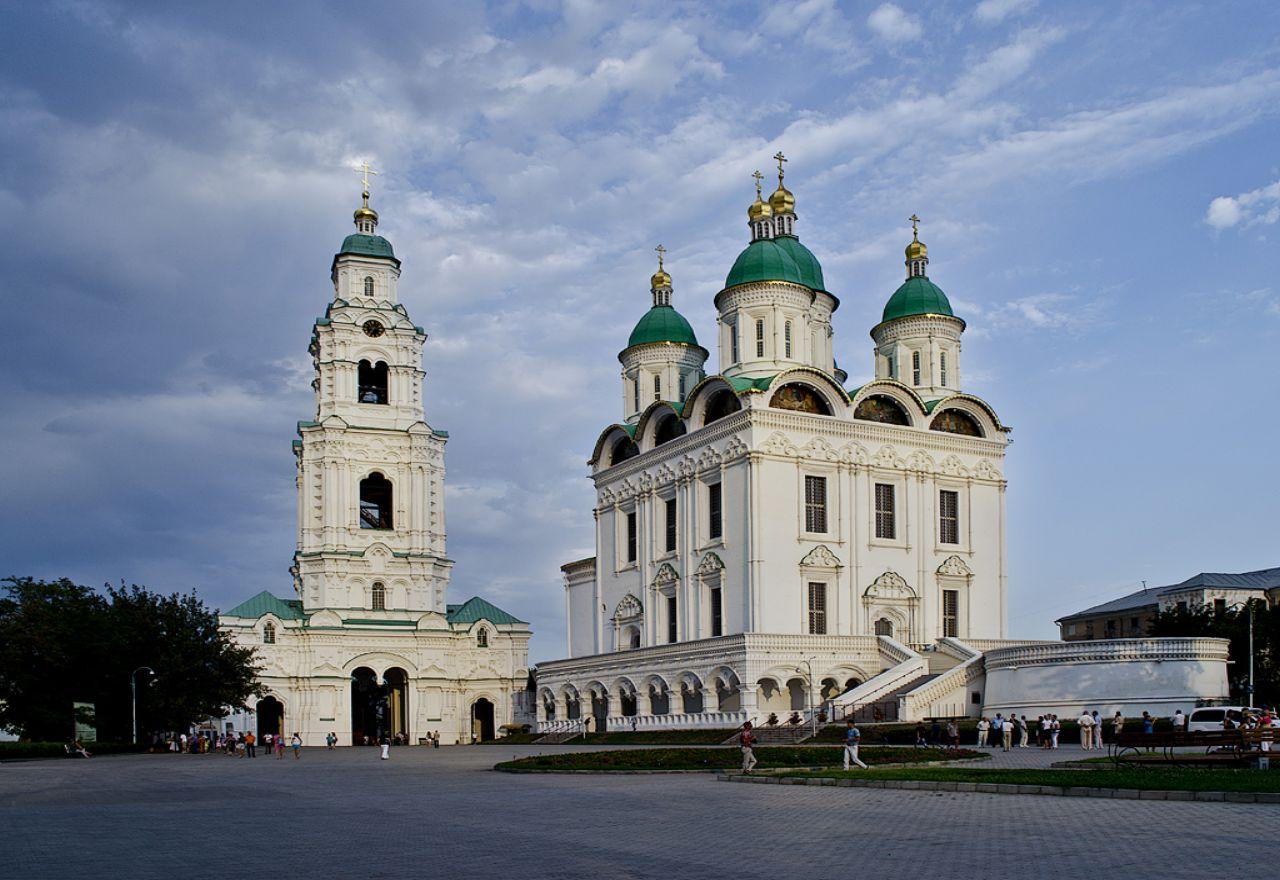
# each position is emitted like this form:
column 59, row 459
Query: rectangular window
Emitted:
column 733, row 342
column 682, row 375
column 657, row 387
column 886, row 515
column 671, row 618
column 1070, row 629
column 951, row 613
column 635, row 394
column 671, row 525
column 815, row 504
column 717, row 612
column 942, row 369
column 915, row 368
column 817, row 609
column 1219, row 606
column 631, row 537
column 949, row 517
column 786, row 332
column 1182, row 606
column 759, row 339
column 714, row 526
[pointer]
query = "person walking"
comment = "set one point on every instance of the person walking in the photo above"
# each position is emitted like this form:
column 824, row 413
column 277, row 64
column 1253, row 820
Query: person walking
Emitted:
column 852, row 738
column 386, row 748
column 748, row 742
column 250, row 744
column 296, row 742
column 953, row 735
column 921, row 737
column 1085, row 721
column 984, row 726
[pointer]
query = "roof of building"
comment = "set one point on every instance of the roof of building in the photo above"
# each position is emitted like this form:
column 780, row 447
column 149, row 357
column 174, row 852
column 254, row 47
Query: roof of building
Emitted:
column 366, row 246
column 475, row 609
column 265, row 603
column 777, row 259
column 1264, row 579
column 917, row 296
column 662, row 324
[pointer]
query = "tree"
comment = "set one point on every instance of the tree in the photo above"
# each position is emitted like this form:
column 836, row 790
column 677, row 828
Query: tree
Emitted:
column 61, row 642
column 1233, row 624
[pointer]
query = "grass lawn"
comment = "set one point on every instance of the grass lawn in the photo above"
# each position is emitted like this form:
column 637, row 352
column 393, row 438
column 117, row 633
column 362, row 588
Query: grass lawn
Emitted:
column 721, row 759
column 1142, row 778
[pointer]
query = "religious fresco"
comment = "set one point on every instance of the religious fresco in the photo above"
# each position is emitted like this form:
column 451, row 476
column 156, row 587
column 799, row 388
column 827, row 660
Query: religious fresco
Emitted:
column 878, row 408
column 800, row 398
column 955, row 421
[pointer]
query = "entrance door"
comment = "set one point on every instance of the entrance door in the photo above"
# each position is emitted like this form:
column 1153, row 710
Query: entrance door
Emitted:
column 482, row 720
column 270, row 717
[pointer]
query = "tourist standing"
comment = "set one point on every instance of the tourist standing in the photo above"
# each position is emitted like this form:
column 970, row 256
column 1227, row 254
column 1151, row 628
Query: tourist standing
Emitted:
column 1006, row 731
column 1055, row 731
column 1179, row 721
column 279, row 744
column 1117, row 725
column 296, row 742
column 748, row 742
column 852, row 738
column 1097, row 730
column 921, row 736
column 250, row 744
column 997, row 730
column 386, row 747
column 1024, row 732
column 953, row 734
column 331, row 740
column 1086, row 730
column 983, row 727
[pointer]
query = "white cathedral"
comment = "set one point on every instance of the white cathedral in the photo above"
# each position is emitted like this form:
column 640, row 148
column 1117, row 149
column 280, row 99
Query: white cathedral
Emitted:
column 368, row 646
column 768, row 540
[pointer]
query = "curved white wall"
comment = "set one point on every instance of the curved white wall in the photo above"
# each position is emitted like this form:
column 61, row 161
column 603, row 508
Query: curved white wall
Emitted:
column 1128, row 675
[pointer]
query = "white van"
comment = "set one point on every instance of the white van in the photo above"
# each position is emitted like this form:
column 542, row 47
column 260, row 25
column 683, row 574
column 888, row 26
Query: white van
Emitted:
column 1211, row 717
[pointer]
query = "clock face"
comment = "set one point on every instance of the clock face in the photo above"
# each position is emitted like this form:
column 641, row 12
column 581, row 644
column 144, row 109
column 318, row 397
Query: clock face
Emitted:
column 373, row 328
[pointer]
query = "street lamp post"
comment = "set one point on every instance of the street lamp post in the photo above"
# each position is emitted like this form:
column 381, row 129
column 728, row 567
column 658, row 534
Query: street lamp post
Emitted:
column 133, row 687
column 808, row 693
column 1249, row 689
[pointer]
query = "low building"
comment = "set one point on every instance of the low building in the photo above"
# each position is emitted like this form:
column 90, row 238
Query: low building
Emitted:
column 1129, row 617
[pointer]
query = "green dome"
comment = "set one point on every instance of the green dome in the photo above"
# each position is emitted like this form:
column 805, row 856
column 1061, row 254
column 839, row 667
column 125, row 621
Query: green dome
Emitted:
column 367, row 245
column 662, row 324
column 917, row 296
column 777, row 259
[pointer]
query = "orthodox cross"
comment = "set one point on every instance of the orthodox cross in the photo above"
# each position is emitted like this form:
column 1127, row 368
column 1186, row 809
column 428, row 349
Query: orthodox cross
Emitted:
column 915, row 226
column 759, row 177
column 365, row 169
column 661, row 251
column 780, row 159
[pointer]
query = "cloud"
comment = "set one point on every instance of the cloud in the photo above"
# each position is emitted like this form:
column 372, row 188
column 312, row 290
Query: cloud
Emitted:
column 996, row 11
column 1259, row 206
column 893, row 25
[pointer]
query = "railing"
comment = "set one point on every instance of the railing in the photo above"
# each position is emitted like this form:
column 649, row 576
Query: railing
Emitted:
column 917, row 703
column 1108, row 651
column 572, row 726
column 676, row 721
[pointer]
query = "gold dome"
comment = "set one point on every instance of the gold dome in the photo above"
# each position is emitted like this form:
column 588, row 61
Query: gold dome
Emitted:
column 660, row 279
column 782, row 201
column 365, row 213
column 917, row 251
column 759, row 210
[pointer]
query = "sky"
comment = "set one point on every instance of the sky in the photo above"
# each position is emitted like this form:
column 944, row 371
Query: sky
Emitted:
column 1099, row 184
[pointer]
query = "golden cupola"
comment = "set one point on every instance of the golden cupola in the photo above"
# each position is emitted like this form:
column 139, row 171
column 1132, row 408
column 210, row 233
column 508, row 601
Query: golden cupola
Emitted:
column 917, row 253
column 782, row 203
column 760, row 215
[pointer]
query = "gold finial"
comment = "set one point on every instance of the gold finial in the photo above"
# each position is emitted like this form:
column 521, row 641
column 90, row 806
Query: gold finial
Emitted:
column 660, row 278
column 759, row 177
column 661, row 252
column 917, row 253
column 759, row 208
column 782, row 201
column 779, row 158
column 915, row 227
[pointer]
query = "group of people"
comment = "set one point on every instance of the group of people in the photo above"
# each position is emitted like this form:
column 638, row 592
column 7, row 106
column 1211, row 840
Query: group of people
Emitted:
column 240, row 745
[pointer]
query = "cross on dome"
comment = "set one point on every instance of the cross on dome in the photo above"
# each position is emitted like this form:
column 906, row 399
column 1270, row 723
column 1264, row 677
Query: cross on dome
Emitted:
column 660, row 282
column 917, row 253
column 366, row 218
column 365, row 169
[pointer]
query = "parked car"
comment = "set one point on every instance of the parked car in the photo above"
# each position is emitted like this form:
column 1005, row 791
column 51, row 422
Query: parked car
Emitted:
column 1211, row 717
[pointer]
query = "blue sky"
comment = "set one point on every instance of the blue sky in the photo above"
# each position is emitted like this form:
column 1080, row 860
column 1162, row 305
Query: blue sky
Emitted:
column 1100, row 185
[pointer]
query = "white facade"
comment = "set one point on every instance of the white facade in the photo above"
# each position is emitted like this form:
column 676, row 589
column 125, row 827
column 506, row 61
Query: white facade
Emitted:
column 369, row 646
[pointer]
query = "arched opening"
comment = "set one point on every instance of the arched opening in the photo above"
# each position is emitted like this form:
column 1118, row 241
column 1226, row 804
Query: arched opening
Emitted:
column 270, row 713
column 669, row 428
column 631, row 637
column 623, row 448
column 269, row 633
column 956, row 421
column 367, row 707
column 881, row 408
column 481, row 720
column 482, row 638
column 375, row 502
column 796, row 689
column 721, row 404
column 830, row 689
column 378, row 597
column 627, row 703
column 884, row 627
column 368, row 285
column 600, row 711
column 572, row 706
column 371, row 382
column 396, row 684
column 691, row 699
column 851, row 683
column 801, row 398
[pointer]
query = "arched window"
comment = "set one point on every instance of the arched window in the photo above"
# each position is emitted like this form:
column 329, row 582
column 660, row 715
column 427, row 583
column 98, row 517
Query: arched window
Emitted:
column 379, row 597
column 482, row 638
column 942, row 369
column 269, row 634
column 623, row 448
column 657, row 387
column 375, row 502
column 879, row 408
column 368, row 285
column 759, row 337
column 371, row 382
column 786, row 336
column 884, row 627
column 955, row 421
column 801, row 398
column 721, row 404
column 668, row 429
column 915, row 368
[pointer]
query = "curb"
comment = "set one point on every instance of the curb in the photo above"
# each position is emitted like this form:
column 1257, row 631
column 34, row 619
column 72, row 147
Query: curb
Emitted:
column 1234, row 797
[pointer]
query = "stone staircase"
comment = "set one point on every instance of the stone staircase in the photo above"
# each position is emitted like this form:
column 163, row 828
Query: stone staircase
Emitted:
column 561, row 732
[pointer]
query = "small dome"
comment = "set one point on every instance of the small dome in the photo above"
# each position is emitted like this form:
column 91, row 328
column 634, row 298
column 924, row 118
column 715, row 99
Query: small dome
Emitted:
column 662, row 324
column 364, row 212
column 917, row 251
column 759, row 210
column 782, row 201
column 367, row 245
column 777, row 259
column 659, row 279
column 917, row 296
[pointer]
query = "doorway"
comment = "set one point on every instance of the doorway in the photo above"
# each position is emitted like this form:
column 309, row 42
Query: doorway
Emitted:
column 482, row 720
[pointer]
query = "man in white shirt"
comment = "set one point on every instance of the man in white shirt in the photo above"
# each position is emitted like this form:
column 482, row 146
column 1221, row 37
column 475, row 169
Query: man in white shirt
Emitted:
column 1097, row 730
column 1179, row 721
column 1086, row 730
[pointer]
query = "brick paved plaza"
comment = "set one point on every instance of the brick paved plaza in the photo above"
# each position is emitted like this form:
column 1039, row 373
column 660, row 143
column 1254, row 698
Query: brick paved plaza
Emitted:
column 442, row 813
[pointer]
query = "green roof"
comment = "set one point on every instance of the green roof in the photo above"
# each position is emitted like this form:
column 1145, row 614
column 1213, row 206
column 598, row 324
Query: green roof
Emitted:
column 917, row 296
column 777, row 259
column 265, row 603
column 662, row 324
column 475, row 609
column 741, row 384
column 367, row 245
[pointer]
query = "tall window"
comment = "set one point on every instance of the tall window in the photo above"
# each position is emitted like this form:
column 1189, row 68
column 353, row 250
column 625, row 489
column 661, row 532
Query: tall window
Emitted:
column 482, row 638
column 817, row 609
column 379, row 597
column 942, row 369
column 949, row 517
column 371, row 382
column 269, row 634
column 915, row 368
column 733, row 342
column 631, row 537
column 950, row 613
column 368, row 285
column 717, row 612
column 759, row 338
column 891, row 366
column 375, row 502
column 815, row 504
column 786, row 337
column 884, row 627
column 671, row 619
column 886, row 514
column 671, row 525
column 715, row 527
column 635, row 394
column 682, row 383
column 657, row 387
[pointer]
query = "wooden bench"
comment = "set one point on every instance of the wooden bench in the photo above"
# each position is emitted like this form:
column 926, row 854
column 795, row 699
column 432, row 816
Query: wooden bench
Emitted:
column 1213, row 746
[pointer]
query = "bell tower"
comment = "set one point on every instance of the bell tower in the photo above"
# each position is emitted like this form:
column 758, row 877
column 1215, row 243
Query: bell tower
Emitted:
column 370, row 470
